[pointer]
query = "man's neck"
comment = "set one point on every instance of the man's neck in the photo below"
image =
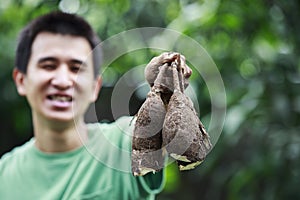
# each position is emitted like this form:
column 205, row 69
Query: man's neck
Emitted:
column 54, row 137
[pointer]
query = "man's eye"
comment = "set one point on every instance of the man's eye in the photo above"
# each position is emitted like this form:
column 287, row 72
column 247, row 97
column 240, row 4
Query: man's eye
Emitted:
column 48, row 66
column 75, row 68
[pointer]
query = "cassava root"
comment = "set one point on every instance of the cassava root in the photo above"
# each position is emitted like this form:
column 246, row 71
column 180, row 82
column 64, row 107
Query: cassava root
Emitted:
column 166, row 123
column 184, row 136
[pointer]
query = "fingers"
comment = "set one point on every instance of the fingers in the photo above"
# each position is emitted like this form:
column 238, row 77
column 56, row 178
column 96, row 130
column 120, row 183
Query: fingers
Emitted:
column 153, row 67
column 168, row 57
column 187, row 71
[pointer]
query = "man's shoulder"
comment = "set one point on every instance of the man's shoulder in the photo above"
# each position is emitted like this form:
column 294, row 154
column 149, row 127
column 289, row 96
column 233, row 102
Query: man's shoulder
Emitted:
column 17, row 151
column 123, row 123
column 15, row 156
column 113, row 138
column 119, row 130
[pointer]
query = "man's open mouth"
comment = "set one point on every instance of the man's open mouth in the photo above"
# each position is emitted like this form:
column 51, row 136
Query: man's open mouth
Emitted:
column 61, row 98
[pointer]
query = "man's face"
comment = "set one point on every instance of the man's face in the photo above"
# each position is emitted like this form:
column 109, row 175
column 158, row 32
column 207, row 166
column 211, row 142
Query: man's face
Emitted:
column 59, row 83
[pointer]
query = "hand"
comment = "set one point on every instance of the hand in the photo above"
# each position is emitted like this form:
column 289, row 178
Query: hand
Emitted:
column 154, row 65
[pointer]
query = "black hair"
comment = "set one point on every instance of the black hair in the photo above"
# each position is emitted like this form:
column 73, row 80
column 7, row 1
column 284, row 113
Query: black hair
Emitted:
column 56, row 22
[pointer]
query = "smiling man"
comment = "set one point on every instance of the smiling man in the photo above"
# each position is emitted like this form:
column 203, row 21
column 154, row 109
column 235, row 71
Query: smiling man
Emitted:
column 60, row 80
column 59, row 84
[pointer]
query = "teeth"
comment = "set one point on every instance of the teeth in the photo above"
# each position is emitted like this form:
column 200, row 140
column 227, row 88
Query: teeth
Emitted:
column 61, row 98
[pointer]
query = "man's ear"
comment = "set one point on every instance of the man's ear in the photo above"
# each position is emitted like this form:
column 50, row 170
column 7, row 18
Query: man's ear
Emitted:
column 97, row 87
column 19, row 77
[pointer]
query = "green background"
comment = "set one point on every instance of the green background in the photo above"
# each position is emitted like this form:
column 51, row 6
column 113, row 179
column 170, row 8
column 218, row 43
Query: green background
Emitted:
column 255, row 45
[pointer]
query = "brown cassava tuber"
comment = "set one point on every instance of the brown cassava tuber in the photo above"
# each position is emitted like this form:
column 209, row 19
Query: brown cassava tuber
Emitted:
column 167, row 123
column 147, row 155
column 184, row 136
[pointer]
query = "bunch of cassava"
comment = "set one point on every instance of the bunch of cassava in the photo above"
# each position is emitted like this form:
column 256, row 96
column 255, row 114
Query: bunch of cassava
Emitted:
column 166, row 123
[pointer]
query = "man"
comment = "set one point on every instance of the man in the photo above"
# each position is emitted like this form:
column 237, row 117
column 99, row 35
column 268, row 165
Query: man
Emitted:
column 67, row 158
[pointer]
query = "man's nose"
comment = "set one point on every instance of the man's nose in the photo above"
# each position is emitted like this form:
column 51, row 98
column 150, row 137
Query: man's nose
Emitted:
column 62, row 78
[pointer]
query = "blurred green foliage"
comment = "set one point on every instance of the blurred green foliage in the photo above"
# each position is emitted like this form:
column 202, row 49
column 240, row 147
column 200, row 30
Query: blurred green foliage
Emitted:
column 255, row 45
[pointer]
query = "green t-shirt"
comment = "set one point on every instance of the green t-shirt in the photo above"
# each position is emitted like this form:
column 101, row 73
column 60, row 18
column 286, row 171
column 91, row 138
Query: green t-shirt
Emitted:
column 100, row 169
